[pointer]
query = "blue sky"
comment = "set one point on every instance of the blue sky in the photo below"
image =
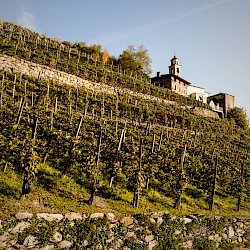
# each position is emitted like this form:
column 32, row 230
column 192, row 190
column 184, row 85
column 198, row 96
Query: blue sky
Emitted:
column 211, row 37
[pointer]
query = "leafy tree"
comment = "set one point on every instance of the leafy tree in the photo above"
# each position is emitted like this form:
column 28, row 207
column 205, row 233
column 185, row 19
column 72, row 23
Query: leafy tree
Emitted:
column 81, row 46
column 96, row 50
column 106, row 57
column 239, row 116
column 136, row 59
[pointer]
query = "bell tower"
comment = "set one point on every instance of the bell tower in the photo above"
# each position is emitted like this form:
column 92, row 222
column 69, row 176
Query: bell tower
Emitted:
column 175, row 68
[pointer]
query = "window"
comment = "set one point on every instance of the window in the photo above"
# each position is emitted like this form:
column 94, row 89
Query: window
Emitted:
column 178, row 70
column 174, row 87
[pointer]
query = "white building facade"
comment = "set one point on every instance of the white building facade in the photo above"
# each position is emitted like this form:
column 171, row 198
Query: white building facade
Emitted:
column 197, row 93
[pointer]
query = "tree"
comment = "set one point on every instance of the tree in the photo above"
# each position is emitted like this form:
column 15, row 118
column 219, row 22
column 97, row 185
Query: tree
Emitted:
column 106, row 56
column 136, row 59
column 239, row 116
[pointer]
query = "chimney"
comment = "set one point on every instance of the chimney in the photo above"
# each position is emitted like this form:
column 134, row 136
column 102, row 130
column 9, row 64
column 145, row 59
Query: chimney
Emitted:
column 158, row 74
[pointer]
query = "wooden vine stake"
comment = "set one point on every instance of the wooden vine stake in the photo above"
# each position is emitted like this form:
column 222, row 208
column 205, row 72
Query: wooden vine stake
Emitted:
column 160, row 143
column 138, row 178
column 214, row 183
column 152, row 151
column 242, row 182
column 79, row 127
column 94, row 189
column 122, row 138
column 29, row 171
column 51, row 119
column 1, row 99
column 20, row 111
column 55, row 106
column 182, row 178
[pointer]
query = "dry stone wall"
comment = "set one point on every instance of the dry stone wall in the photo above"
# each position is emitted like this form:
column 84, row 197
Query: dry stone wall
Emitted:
column 106, row 231
column 17, row 65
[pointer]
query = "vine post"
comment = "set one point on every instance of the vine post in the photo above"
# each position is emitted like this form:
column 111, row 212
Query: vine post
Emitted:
column 214, row 183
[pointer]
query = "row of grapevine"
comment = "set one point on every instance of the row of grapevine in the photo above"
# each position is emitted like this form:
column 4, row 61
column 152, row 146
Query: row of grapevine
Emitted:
column 122, row 141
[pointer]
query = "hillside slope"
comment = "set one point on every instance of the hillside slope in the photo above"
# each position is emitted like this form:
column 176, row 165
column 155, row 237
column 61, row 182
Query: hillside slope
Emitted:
column 129, row 149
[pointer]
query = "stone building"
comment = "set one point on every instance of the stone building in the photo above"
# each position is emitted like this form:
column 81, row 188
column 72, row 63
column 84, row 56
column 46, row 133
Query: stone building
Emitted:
column 172, row 80
column 222, row 103
column 175, row 82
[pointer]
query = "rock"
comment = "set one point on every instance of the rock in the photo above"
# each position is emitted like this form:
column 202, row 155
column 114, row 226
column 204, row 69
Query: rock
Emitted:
column 5, row 237
column 211, row 237
column 96, row 215
column 188, row 244
column 224, row 236
column 85, row 216
column 110, row 216
column 152, row 220
column 230, row 232
column 152, row 244
column 49, row 217
column 20, row 227
column 149, row 238
column 131, row 234
column 177, row 232
column 30, row 241
column 23, row 215
column 159, row 220
column 65, row 244
column 157, row 214
column 118, row 244
column 239, row 239
column 57, row 237
column 20, row 247
column 12, row 242
column 191, row 216
column 127, row 221
column 173, row 218
column 85, row 243
column 217, row 217
column 48, row 247
column 2, row 245
column 73, row 216
column 187, row 220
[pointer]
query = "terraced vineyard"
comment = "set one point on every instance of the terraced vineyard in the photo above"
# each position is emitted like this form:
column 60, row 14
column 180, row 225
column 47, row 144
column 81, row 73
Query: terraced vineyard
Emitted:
column 25, row 44
column 64, row 145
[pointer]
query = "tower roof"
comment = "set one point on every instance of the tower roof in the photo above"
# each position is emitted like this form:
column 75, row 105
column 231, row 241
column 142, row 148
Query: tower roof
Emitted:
column 174, row 58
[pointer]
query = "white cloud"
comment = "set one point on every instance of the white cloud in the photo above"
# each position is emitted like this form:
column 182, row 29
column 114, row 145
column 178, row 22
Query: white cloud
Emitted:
column 27, row 20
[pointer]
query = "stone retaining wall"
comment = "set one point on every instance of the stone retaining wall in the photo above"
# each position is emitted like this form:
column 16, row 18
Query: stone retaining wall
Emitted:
column 106, row 231
column 17, row 65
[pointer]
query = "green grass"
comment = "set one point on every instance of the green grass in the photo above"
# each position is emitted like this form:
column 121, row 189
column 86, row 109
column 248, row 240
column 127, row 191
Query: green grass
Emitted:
column 61, row 194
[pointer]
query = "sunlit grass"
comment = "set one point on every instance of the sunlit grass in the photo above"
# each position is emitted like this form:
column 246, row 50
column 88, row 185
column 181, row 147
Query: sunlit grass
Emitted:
column 55, row 193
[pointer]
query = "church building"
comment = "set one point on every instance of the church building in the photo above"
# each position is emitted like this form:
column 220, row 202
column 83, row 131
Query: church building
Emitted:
column 176, row 83
column 172, row 80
